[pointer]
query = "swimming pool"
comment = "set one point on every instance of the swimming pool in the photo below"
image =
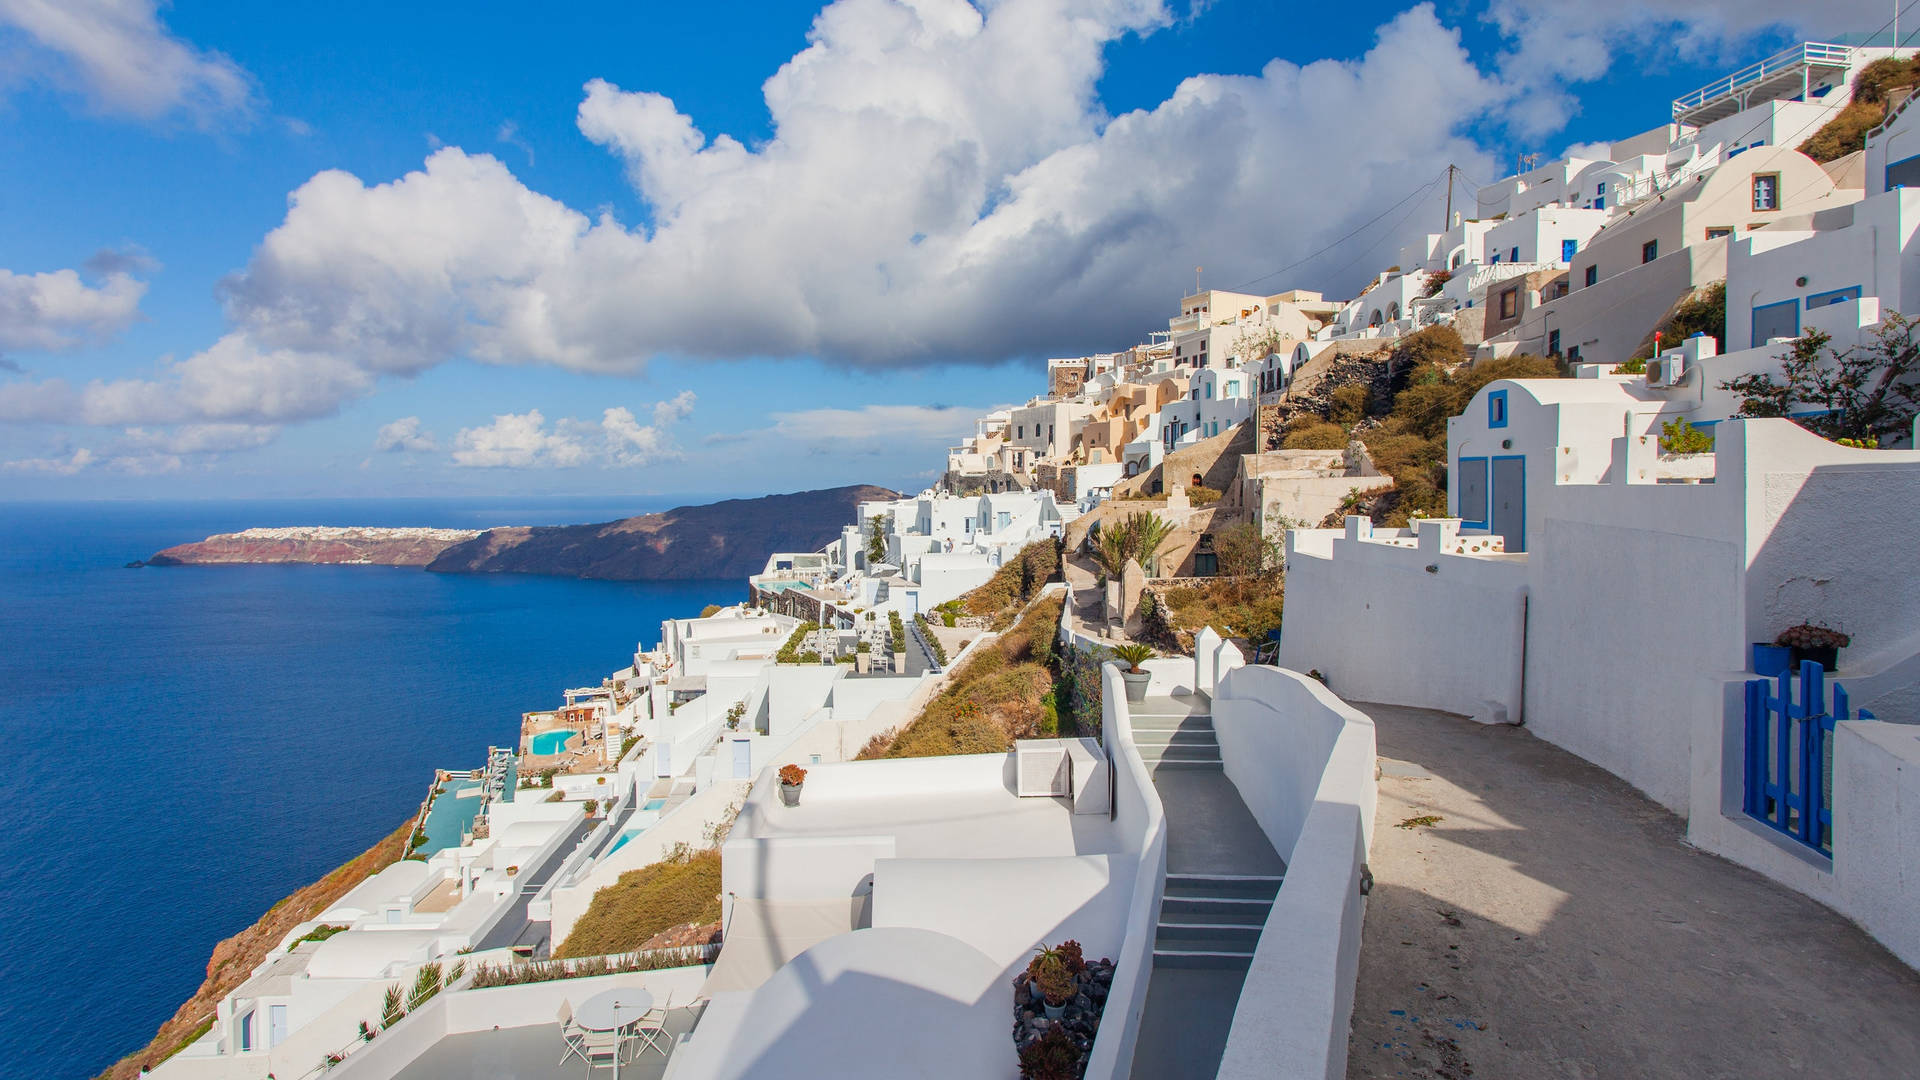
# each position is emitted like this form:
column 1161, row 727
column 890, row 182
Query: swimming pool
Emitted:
column 634, row 830
column 550, row 742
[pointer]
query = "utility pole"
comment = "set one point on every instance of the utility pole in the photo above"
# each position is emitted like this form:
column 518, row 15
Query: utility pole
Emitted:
column 1448, row 223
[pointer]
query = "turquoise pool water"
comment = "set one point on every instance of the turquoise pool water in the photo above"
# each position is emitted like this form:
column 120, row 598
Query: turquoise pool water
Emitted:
column 550, row 742
column 628, row 834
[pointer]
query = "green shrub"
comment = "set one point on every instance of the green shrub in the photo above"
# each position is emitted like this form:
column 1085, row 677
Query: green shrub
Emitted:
column 1435, row 345
column 709, row 611
column 1202, row 495
column 790, row 652
column 318, row 933
column 1349, row 404
column 1704, row 312
column 1320, row 436
column 1679, row 437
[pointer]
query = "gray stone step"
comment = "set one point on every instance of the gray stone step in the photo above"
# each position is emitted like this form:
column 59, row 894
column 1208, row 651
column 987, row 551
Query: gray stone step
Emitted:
column 1180, row 752
column 1224, row 886
column 1215, row 909
column 1229, row 960
column 1206, row 937
column 1156, row 765
column 1172, row 723
column 1180, row 736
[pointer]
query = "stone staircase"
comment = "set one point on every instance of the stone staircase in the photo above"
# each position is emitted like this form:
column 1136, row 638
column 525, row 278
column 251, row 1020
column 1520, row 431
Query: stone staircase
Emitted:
column 1177, row 742
column 1212, row 920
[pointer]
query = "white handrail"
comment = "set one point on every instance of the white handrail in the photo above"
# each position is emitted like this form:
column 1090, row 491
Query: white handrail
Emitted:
column 1806, row 53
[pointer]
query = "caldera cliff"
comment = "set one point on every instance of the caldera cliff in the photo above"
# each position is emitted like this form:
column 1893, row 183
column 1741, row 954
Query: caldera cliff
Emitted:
column 730, row 539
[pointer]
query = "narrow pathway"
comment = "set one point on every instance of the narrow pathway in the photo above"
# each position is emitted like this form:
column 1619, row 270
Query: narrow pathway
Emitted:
column 1222, row 876
column 1534, row 916
column 514, row 928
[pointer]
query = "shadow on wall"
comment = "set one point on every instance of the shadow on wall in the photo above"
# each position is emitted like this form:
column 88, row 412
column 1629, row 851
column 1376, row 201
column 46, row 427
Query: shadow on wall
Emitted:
column 1553, row 922
column 836, row 1011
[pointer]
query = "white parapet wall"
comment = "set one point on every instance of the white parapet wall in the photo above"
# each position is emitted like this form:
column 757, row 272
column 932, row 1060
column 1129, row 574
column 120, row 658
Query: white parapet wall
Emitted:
column 1403, row 620
column 1138, row 816
column 1303, row 762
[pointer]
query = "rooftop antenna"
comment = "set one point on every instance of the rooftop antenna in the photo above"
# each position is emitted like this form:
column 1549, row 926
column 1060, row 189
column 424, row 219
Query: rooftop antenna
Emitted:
column 1196, row 281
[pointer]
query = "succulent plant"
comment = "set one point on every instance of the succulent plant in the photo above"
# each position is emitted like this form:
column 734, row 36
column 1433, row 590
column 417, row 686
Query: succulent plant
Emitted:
column 1810, row 636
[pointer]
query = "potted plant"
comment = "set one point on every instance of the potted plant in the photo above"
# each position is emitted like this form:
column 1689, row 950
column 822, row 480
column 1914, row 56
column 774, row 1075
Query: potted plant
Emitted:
column 863, row 658
column 1056, row 985
column 1770, row 660
column 1133, row 655
column 1820, row 644
column 791, row 777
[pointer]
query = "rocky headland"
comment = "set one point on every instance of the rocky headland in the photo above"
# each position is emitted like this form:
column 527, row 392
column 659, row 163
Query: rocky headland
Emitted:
column 319, row 544
column 728, row 539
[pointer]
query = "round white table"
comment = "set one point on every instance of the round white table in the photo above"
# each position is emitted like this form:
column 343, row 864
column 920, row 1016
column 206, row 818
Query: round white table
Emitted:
column 612, row 1010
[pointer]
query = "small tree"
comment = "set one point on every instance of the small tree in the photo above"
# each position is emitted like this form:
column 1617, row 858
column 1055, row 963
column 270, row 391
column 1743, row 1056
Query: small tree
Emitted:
column 1138, row 536
column 1866, row 392
column 877, row 539
column 1244, row 551
column 1679, row 437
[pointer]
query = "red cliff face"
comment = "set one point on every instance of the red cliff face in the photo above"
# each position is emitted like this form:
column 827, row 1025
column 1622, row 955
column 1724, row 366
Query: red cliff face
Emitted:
column 371, row 547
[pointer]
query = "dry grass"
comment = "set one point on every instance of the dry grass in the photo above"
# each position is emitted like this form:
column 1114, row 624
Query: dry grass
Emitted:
column 997, row 696
column 683, row 888
column 1236, row 607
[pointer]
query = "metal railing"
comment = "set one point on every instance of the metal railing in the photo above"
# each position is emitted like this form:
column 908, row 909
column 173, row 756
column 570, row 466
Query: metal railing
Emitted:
column 1806, row 54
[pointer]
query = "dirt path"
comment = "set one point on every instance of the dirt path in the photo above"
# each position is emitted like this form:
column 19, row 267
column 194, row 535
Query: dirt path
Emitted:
column 1548, row 921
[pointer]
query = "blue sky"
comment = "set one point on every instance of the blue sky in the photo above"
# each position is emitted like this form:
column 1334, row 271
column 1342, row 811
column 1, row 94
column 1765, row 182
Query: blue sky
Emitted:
column 507, row 210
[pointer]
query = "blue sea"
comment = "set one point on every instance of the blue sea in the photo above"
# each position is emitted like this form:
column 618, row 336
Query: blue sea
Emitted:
column 182, row 746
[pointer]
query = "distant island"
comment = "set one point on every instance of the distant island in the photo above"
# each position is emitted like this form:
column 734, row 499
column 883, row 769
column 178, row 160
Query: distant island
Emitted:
column 720, row 540
column 328, row 544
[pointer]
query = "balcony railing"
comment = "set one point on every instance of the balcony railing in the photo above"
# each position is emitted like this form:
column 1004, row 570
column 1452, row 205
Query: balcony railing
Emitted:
column 1806, row 54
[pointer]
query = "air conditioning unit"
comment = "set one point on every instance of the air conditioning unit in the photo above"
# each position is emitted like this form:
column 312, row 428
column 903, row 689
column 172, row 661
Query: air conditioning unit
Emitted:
column 1040, row 767
column 1667, row 369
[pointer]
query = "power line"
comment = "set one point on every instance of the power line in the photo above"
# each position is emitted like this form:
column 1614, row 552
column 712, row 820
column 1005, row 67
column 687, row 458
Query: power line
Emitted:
column 1415, row 193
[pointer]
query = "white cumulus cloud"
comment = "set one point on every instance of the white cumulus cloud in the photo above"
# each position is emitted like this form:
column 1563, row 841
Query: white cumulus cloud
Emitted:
column 56, row 466
column 57, row 310
column 519, row 441
column 942, row 183
column 404, row 434
column 118, row 55
column 524, row 441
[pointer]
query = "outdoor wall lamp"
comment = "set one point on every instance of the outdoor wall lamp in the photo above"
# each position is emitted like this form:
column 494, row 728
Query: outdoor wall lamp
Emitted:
column 1433, row 568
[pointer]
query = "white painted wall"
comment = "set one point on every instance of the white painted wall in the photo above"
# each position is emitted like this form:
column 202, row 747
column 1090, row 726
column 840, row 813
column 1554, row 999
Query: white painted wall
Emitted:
column 1381, row 627
column 1003, row 906
column 1139, row 820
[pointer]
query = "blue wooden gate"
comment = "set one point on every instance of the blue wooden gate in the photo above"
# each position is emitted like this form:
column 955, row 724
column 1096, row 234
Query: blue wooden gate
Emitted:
column 1790, row 754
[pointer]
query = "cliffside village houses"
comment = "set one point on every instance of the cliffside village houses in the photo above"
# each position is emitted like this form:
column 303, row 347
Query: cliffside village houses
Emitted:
column 899, row 899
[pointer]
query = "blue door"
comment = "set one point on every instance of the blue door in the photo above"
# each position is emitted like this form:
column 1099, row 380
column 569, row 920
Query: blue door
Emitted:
column 1568, row 249
column 1508, row 509
column 742, row 759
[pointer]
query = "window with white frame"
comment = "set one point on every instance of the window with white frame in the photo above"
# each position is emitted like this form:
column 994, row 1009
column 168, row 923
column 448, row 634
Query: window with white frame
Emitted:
column 1766, row 191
